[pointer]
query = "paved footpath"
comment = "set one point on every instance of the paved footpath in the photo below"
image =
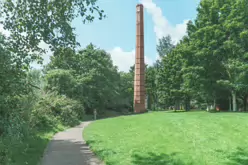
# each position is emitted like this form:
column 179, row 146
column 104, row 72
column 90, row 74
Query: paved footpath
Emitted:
column 69, row 148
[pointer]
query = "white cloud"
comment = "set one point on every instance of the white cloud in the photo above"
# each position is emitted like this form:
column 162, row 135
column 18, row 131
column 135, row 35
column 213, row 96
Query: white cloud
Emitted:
column 158, row 57
column 5, row 32
column 124, row 60
column 46, row 56
column 162, row 26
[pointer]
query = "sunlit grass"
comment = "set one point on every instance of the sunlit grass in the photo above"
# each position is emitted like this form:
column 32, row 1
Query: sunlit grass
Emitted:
column 168, row 138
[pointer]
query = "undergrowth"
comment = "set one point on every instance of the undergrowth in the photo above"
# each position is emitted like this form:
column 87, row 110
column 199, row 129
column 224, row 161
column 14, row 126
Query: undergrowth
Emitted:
column 26, row 133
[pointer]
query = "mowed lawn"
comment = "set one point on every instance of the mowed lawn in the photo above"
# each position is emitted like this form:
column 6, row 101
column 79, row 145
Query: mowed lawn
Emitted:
column 168, row 138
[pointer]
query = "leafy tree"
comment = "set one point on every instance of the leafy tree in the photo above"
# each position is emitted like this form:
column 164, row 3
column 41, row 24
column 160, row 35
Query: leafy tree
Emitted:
column 13, row 85
column 236, row 79
column 61, row 81
column 170, row 78
column 165, row 46
column 151, row 86
column 215, row 44
column 96, row 80
column 126, row 89
column 33, row 21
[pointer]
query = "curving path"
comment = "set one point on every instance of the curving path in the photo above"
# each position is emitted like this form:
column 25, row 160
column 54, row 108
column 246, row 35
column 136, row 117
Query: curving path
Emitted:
column 69, row 148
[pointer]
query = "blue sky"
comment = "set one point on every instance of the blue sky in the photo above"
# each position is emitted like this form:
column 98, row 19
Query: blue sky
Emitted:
column 116, row 33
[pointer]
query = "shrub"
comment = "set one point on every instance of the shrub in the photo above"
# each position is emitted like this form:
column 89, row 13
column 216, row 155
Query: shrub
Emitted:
column 53, row 108
column 4, row 152
column 61, row 81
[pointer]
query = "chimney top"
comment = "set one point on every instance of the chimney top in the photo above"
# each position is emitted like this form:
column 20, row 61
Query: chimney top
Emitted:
column 139, row 5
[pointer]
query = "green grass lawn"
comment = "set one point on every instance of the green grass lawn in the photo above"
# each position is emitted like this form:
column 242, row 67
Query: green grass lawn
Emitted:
column 167, row 138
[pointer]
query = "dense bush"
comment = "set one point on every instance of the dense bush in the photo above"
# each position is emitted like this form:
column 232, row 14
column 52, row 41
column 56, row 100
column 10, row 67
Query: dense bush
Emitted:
column 42, row 112
column 53, row 108
column 61, row 81
column 30, row 112
column 3, row 152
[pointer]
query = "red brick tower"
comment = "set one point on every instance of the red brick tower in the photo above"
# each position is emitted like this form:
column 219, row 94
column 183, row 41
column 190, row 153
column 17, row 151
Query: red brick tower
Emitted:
column 139, row 77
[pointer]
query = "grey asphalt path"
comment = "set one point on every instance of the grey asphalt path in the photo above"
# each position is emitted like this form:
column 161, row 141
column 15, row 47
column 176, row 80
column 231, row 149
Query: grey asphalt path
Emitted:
column 69, row 148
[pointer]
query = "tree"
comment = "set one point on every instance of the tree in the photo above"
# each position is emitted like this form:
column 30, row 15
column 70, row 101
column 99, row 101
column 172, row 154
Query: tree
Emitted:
column 209, row 64
column 236, row 81
column 165, row 46
column 206, row 37
column 151, row 88
column 33, row 21
column 216, row 44
column 92, row 78
column 126, row 89
column 170, row 79
column 61, row 81
column 13, row 82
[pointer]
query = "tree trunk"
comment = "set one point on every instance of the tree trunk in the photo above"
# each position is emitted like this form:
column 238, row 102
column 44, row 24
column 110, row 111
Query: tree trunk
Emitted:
column 214, row 104
column 208, row 107
column 155, row 101
column 230, row 104
column 245, row 102
column 234, row 101
column 95, row 114
column 187, row 104
column 177, row 106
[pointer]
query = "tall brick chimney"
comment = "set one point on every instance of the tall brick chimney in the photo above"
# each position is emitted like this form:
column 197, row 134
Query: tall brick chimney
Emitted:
column 139, row 77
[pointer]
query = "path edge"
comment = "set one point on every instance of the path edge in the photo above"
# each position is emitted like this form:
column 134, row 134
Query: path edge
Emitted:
column 82, row 126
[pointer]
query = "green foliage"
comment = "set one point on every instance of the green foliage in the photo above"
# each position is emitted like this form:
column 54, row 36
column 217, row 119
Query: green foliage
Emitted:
column 61, row 81
column 87, row 75
column 28, row 109
column 35, row 114
column 169, row 78
column 33, row 21
column 151, row 86
column 165, row 46
column 12, row 79
column 4, row 152
column 53, row 108
column 126, row 90
column 219, row 48
column 210, row 63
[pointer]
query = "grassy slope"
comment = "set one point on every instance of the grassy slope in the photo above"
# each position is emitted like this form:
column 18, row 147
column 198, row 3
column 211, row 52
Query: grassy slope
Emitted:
column 193, row 138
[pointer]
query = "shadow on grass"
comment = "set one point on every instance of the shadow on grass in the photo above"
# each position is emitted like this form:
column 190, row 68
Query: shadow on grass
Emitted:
column 157, row 159
column 140, row 159
column 176, row 111
column 237, row 157
column 110, row 114
column 232, row 112
column 100, row 152
column 182, row 111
